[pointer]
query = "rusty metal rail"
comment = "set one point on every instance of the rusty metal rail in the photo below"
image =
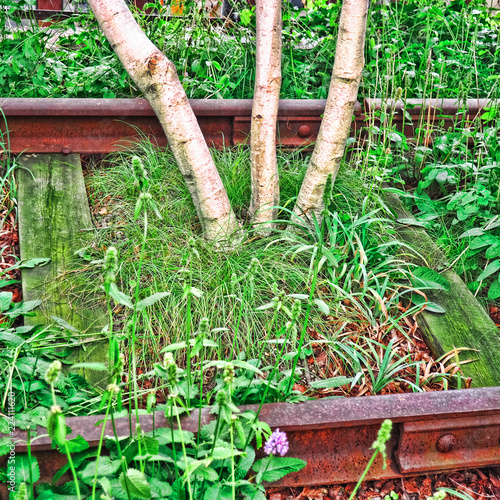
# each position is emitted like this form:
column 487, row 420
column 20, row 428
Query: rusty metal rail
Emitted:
column 107, row 125
column 432, row 432
column 436, row 431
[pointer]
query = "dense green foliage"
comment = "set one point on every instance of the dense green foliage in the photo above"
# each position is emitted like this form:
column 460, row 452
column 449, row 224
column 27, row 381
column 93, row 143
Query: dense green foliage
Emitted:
column 426, row 48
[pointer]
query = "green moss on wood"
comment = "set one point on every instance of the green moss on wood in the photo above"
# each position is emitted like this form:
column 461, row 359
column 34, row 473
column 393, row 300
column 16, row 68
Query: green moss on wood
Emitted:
column 465, row 323
column 53, row 209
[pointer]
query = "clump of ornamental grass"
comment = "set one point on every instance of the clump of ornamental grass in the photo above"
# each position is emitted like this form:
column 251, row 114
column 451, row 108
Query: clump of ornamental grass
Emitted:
column 339, row 271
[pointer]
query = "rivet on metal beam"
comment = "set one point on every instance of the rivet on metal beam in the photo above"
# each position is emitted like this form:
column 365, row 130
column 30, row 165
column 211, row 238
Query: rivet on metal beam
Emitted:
column 66, row 151
column 304, row 131
column 446, row 443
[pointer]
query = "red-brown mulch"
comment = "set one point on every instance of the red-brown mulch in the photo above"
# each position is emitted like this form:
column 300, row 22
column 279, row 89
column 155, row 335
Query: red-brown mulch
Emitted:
column 9, row 245
column 476, row 483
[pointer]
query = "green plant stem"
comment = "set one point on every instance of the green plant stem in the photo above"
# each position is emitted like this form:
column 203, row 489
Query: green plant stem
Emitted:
column 236, row 329
column 216, row 431
column 304, row 329
column 99, row 447
column 270, row 379
column 28, row 446
column 200, row 406
column 233, row 486
column 119, row 448
column 188, row 344
column 68, row 454
column 365, row 472
column 271, row 327
column 184, row 452
column 170, row 401
column 134, row 327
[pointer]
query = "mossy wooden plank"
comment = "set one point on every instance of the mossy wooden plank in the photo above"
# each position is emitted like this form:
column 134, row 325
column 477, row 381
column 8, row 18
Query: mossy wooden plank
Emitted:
column 53, row 208
column 465, row 323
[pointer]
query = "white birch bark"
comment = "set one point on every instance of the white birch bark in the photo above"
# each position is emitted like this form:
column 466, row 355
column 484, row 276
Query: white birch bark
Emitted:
column 265, row 182
column 336, row 123
column 157, row 78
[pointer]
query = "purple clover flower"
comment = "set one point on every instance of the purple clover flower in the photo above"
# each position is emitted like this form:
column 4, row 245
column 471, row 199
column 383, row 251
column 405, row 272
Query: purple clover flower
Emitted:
column 277, row 444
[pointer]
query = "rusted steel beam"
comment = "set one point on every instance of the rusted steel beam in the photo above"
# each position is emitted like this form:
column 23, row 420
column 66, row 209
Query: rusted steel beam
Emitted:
column 107, row 125
column 434, row 431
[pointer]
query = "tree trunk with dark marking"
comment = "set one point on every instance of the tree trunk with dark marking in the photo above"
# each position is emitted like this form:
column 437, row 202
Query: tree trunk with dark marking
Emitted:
column 336, row 124
column 157, row 78
column 265, row 182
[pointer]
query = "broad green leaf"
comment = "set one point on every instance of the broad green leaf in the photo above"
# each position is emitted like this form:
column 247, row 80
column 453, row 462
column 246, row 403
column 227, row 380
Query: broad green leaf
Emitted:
column 29, row 264
column 5, row 425
column 23, row 466
column 322, row 306
column 5, row 446
column 160, row 457
column 247, row 460
column 11, row 338
column 494, row 290
column 493, row 251
column 490, row 269
column 152, row 299
column 274, row 468
column 253, row 491
column 150, row 445
column 418, row 300
column 264, row 307
column 106, row 467
column 22, row 308
column 138, row 207
column 195, row 464
column 300, row 296
column 37, row 385
column 159, row 488
column 428, row 279
column 196, row 292
column 5, row 300
column 4, row 283
column 182, row 345
column 213, row 492
column 475, row 231
column 64, row 324
column 56, row 427
column 411, row 222
column 120, row 297
column 482, row 241
column 236, row 362
column 331, row 383
column 78, row 444
column 222, row 452
column 99, row 367
column 168, row 436
column 136, row 483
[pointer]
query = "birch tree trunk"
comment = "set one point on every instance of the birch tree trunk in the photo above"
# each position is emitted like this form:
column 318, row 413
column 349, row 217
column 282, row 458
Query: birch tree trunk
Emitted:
column 157, row 78
column 336, row 123
column 265, row 182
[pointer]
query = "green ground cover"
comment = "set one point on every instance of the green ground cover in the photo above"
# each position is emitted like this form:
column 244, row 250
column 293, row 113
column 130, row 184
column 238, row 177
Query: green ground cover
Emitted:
column 451, row 184
column 190, row 327
column 324, row 310
column 426, row 48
